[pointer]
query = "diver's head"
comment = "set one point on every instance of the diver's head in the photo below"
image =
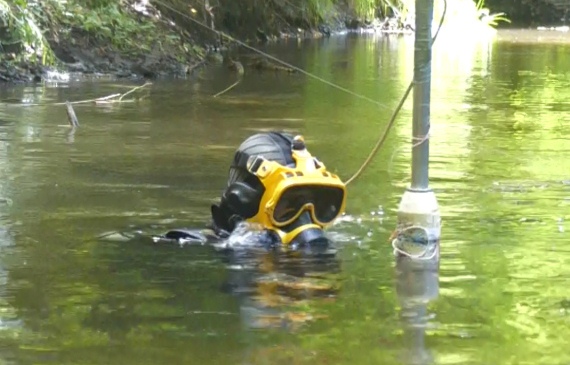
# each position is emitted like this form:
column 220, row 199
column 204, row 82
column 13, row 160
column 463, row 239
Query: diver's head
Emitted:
column 275, row 182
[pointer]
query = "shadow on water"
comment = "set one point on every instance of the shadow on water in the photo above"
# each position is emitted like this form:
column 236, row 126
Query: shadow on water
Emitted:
column 499, row 164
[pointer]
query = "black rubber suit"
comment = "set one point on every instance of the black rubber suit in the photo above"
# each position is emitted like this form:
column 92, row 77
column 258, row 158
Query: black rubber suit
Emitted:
column 241, row 198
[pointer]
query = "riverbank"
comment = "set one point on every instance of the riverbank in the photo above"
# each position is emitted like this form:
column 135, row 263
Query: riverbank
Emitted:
column 143, row 40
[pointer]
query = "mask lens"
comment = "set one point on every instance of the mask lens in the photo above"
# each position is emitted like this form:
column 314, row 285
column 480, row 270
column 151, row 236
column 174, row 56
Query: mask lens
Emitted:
column 291, row 201
column 326, row 200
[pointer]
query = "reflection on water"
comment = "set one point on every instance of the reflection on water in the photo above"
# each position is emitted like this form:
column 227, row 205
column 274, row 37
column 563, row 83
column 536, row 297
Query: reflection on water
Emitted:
column 417, row 284
column 271, row 283
column 500, row 162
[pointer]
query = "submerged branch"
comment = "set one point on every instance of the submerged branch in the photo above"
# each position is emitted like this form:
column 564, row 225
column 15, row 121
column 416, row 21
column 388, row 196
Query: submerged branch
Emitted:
column 73, row 122
column 238, row 67
column 132, row 90
column 109, row 99
column 196, row 65
column 228, row 88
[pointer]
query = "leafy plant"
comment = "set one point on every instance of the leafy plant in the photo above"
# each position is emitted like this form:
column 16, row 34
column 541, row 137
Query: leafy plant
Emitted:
column 365, row 8
column 488, row 18
column 21, row 19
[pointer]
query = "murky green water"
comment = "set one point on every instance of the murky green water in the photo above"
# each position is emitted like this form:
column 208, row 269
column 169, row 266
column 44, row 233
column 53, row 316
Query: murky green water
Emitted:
column 500, row 168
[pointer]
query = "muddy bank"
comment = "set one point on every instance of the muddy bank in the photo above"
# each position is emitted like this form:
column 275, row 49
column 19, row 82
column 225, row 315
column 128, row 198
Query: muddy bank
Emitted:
column 172, row 44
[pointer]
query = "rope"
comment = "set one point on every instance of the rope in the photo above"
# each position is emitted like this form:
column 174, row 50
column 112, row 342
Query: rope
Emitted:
column 382, row 138
column 390, row 124
column 415, row 257
column 418, row 141
column 245, row 45
column 392, row 120
column 380, row 141
column 428, row 245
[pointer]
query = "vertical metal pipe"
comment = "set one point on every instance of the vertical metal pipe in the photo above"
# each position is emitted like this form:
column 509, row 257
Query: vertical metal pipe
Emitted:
column 422, row 94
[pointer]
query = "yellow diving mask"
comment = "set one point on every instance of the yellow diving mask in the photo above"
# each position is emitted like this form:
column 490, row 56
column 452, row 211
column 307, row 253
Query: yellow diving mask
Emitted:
column 291, row 191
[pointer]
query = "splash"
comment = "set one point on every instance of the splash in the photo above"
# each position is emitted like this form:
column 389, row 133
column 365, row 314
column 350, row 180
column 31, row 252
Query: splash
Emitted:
column 248, row 235
column 56, row 77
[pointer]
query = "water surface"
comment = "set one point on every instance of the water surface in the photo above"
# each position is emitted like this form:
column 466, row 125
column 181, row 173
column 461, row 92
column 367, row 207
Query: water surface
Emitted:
column 500, row 168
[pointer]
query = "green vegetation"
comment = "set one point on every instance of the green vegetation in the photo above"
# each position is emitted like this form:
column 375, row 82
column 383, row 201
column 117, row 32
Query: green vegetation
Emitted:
column 19, row 27
column 502, row 298
column 126, row 35
column 488, row 18
column 99, row 35
column 525, row 13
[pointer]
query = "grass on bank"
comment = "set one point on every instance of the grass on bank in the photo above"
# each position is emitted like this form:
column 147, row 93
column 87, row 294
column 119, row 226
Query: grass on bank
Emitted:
column 27, row 27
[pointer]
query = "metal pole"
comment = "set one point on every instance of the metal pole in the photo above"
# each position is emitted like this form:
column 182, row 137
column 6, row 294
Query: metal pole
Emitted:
column 419, row 221
column 422, row 94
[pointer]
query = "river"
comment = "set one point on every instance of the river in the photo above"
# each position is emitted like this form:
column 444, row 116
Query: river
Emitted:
column 73, row 292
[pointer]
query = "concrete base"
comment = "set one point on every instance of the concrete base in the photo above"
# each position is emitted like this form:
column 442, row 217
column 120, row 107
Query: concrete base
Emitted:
column 419, row 225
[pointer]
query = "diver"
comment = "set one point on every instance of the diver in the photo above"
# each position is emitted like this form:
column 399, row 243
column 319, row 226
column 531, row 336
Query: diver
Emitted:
column 275, row 184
